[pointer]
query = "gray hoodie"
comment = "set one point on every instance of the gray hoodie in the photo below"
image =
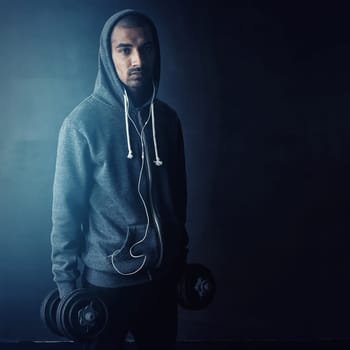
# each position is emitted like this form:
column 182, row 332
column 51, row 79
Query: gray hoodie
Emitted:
column 121, row 214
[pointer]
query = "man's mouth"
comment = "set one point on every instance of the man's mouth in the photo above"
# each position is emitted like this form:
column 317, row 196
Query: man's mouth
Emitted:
column 136, row 74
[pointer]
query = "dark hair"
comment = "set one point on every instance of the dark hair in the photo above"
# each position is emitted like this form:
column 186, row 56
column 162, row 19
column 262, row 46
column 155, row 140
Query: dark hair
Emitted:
column 134, row 20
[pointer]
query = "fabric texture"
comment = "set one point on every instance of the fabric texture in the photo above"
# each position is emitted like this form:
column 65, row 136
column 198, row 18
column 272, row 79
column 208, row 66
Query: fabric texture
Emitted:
column 98, row 216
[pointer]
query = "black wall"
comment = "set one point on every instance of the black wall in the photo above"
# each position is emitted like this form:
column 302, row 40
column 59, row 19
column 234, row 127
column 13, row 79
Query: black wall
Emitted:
column 262, row 92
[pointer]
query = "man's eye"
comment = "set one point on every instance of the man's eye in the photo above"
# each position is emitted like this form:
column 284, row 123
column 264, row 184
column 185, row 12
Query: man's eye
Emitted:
column 148, row 49
column 125, row 51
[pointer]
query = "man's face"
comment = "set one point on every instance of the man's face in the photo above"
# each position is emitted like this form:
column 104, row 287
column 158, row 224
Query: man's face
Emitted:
column 133, row 55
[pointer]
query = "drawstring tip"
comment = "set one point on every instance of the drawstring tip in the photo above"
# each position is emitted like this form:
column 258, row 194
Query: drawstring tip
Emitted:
column 158, row 162
column 130, row 156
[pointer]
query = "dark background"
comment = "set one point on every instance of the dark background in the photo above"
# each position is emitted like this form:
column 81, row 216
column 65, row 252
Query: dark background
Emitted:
column 262, row 90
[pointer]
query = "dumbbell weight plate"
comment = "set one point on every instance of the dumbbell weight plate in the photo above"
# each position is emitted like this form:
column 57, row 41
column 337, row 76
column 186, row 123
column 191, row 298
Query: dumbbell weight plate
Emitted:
column 81, row 315
column 48, row 311
column 196, row 287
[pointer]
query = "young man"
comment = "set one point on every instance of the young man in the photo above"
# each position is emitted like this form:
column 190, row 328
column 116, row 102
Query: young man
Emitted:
column 119, row 195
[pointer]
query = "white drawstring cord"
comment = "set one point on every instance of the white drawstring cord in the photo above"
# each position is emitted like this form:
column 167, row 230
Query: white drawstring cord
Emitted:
column 126, row 112
column 157, row 162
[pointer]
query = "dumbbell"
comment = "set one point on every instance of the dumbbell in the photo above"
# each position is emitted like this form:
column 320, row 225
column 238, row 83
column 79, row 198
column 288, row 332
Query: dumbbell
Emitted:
column 79, row 316
column 82, row 316
column 196, row 287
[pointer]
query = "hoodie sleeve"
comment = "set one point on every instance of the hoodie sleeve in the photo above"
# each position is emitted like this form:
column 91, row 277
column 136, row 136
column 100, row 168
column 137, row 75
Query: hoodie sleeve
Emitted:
column 182, row 191
column 69, row 207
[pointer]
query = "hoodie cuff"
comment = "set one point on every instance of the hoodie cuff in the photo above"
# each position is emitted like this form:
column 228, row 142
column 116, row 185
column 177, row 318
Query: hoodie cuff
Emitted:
column 65, row 288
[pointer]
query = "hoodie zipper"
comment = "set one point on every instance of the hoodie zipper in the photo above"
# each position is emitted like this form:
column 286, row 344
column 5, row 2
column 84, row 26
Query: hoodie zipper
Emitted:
column 154, row 215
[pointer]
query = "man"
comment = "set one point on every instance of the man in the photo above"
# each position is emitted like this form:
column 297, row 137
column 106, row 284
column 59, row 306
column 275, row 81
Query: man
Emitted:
column 119, row 196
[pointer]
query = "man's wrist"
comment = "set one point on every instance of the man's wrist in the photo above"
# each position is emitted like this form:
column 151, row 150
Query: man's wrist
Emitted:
column 65, row 287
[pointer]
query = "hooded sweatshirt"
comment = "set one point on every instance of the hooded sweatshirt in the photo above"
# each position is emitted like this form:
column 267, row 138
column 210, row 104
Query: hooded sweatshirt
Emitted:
column 119, row 192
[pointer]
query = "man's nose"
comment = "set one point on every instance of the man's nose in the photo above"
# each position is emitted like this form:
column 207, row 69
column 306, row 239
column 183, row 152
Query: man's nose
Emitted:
column 136, row 59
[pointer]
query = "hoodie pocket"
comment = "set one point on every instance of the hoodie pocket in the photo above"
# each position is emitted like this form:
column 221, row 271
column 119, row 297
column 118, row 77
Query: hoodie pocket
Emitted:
column 139, row 252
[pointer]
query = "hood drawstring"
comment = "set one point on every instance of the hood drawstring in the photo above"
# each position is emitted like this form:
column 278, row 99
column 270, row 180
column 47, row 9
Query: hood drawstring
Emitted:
column 157, row 161
column 126, row 111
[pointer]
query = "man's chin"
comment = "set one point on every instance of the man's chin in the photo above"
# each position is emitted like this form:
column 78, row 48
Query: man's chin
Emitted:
column 135, row 84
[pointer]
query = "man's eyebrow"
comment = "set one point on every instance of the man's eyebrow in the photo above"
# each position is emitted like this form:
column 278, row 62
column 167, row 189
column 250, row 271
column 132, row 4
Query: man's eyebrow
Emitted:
column 124, row 45
column 121, row 45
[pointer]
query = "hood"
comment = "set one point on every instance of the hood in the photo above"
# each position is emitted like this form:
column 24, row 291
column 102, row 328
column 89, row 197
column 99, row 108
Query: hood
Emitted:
column 110, row 89
column 108, row 86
